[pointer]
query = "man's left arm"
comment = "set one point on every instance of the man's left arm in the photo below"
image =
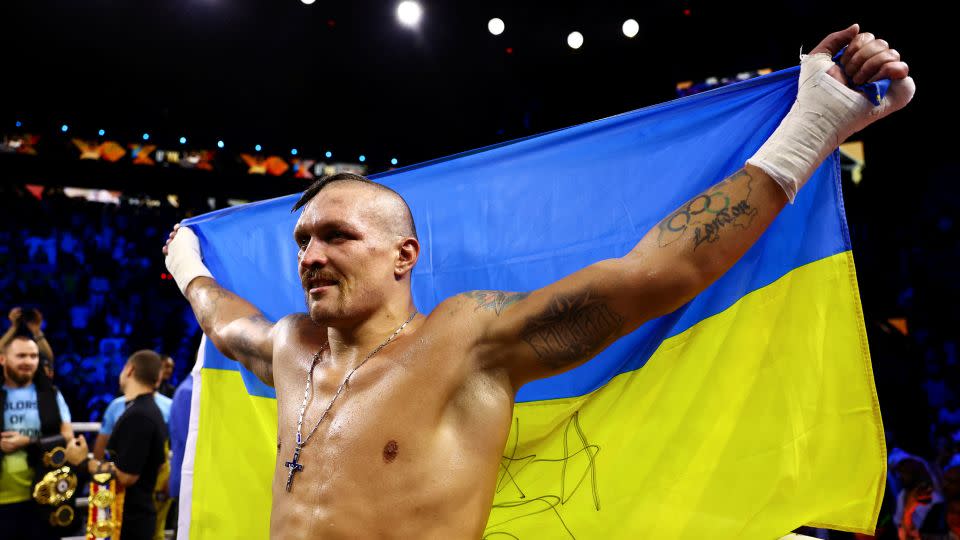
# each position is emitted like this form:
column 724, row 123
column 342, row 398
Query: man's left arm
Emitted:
column 568, row 322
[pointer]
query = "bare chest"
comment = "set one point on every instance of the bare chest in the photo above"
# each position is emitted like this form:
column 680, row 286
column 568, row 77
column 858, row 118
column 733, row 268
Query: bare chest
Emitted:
column 414, row 431
column 386, row 417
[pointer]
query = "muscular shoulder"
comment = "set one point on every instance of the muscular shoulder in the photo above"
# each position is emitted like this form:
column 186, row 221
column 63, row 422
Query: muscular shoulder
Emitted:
column 294, row 322
column 480, row 303
column 473, row 312
column 491, row 303
column 296, row 329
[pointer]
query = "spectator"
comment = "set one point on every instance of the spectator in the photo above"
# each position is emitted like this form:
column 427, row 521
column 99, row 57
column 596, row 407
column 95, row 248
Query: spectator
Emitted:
column 166, row 384
column 110, row 416
column 136, row 449
column 921, row 508
column 33, row 408
column 28, row 323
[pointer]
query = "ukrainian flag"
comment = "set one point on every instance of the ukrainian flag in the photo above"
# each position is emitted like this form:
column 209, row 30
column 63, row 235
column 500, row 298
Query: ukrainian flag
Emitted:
column 746, row 413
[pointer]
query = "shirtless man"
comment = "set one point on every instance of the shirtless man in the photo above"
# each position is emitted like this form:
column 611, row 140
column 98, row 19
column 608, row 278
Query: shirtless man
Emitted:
column 410, row 448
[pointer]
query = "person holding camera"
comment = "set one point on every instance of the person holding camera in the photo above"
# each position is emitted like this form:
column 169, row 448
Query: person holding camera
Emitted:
column 29, row 323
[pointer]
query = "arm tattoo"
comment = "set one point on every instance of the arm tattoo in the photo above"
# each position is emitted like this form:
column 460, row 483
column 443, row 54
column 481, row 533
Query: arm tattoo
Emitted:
column 208, row 299
column 495, row 301
column 709, row 213
column 244, row 344
column 571, row 328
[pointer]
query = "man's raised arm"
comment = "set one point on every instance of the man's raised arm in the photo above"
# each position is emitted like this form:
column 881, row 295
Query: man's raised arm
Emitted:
column 568, row 322
column 237, row 328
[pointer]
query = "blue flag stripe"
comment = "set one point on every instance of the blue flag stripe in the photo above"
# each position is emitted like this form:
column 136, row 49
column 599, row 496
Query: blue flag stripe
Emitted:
column 520, row 215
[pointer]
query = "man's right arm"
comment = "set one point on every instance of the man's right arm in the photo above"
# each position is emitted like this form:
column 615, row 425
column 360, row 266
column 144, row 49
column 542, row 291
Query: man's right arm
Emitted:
column 237, row 328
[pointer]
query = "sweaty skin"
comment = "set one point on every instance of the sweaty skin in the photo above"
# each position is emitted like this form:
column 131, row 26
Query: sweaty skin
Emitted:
column 446, row 419
column 412, row 446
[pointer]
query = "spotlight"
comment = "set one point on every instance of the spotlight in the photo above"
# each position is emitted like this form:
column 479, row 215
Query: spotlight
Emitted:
column 329, row 154
column 258, row 148
column 631, row 28
column 393, row 161
column 575, row 40
column 101, row 133
column 146, row 136
column 362, row 158
column 183, row 140
column 308, row 2
column 219, row 144
column 64, row 128
column 293, row 152
column 409, row 13
column 496, row 26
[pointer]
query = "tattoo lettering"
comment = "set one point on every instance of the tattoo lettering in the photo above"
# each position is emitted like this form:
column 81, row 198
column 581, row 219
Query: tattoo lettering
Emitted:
column 707, row 214
column 710, row 231
column 495, row 301
column 571, row 328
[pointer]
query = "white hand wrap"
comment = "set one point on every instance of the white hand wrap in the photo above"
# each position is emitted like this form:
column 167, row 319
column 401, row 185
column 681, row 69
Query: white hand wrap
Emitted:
column 825, row 114
column 184, row 260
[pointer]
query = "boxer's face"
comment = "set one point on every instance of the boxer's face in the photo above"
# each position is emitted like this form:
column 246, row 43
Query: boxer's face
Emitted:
column 347, row 253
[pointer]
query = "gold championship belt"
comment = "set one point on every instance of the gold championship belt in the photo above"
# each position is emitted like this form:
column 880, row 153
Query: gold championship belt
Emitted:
column 105, row 514
column 62, row 516
column 55, row 458
column 56, row 487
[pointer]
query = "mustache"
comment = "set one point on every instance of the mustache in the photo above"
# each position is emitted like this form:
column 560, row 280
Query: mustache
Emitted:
column 312, row 275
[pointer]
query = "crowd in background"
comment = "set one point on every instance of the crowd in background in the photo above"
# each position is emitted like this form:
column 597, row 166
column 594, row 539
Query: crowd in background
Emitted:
column 95, row 273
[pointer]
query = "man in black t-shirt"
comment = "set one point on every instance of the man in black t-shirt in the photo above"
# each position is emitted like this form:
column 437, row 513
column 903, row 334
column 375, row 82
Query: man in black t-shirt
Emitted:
column 136, row 447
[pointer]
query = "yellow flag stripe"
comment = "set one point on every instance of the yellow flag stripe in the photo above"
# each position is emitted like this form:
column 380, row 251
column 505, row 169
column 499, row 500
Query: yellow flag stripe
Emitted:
column 761, row 414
